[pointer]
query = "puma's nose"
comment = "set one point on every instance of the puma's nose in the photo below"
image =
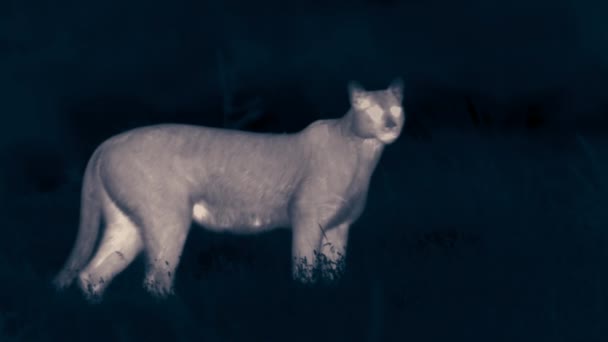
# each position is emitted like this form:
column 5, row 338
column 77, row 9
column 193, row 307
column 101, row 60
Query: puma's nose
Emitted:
column 389, row 123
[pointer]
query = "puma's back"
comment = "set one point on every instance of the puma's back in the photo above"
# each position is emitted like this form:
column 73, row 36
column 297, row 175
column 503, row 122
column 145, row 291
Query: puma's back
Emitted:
column 149, row 184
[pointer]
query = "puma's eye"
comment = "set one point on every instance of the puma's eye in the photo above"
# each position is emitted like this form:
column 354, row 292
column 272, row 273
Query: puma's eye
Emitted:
column 363, row 103
column 375, row 112
column 396, row 110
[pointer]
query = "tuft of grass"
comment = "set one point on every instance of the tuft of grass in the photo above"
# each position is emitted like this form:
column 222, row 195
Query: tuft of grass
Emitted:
column 324, row 271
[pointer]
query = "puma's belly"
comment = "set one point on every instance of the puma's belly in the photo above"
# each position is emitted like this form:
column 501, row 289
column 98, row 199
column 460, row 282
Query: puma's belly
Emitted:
column 238, row 220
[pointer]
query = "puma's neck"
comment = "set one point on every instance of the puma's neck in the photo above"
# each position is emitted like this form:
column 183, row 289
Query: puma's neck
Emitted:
column 368, row 148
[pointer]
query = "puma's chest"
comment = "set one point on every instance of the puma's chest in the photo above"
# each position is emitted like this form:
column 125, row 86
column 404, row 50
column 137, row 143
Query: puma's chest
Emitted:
column 351, row 209
column 342, row 199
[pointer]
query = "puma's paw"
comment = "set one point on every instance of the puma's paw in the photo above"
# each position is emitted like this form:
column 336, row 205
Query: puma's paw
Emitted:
column 92, row 289
column 158, row 285
column 331, row 269
column 303, row 271
column 64, row 279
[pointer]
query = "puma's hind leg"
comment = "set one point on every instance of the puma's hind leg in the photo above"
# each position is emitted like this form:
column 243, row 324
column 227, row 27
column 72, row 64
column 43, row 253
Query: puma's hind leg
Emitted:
column 164, row 239
column 120, row 244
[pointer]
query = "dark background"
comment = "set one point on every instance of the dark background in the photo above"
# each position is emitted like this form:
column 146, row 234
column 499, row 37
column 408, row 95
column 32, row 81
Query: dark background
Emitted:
column 486, row 220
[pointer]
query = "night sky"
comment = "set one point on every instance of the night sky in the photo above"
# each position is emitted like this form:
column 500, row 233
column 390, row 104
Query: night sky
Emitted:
column 485, row 221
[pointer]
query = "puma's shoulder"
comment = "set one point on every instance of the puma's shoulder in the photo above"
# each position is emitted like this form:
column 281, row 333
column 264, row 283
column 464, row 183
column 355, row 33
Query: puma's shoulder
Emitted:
column 318, row 132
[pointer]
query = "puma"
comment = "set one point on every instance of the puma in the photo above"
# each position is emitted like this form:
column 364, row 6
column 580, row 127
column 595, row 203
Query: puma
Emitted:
column 149, row 184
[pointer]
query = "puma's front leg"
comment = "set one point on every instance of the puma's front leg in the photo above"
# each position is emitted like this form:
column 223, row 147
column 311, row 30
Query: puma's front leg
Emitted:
column 306, row 241
column 333, row 249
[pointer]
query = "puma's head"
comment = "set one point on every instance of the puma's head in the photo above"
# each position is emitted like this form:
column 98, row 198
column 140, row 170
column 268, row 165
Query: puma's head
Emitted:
column 377, row 114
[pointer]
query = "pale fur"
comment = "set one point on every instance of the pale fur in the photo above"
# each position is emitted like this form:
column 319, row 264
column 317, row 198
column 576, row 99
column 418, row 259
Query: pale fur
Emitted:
column 149, row 184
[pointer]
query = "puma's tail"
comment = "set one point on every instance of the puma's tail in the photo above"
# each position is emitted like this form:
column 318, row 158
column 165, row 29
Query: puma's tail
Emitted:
column 90, row 210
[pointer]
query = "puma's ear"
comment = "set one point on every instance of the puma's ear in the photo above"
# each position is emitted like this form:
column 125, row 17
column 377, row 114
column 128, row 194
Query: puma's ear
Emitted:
column 396, row 87
column 356, row 93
